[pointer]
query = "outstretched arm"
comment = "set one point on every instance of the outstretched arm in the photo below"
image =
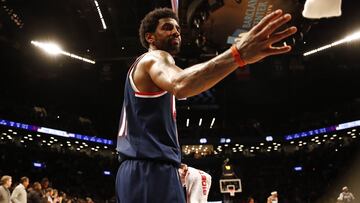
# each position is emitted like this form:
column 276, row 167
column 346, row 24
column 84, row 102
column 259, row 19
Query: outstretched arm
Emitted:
column 252, row 46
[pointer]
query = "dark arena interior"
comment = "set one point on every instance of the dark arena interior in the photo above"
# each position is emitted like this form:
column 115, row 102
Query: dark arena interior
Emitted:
column 289, row 123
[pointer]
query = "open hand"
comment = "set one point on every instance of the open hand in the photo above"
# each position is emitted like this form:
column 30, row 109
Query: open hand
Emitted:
column 257, row 43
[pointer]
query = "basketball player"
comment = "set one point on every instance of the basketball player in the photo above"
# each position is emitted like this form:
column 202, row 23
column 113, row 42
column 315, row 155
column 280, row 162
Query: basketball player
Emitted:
column 196, row 182
column 148, row 145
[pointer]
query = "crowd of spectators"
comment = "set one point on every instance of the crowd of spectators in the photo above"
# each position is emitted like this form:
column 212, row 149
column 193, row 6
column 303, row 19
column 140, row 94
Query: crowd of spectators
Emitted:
column 318, row 178
column 73, row 173
column 324, row 170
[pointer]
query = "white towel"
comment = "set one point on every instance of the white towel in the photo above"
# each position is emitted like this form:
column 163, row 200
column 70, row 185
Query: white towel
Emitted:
column 316, row 9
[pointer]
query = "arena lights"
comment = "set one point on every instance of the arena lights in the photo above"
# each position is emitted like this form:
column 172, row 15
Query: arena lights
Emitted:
column 269, row 138
column 329, row 129
column 100, row 15
column 202, row 150
column 350, row 38
column 55, row 132
column 38, row 165
column 107, row 173
column 54, row 49
column 15, row 18
column 212, row 123
column 203, row 140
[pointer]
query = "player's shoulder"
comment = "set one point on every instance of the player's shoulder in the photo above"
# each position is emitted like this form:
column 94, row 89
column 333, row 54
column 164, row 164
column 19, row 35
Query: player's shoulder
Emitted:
column 157, row 56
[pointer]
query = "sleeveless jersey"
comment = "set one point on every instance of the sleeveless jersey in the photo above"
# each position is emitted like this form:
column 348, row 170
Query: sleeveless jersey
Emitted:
column 147, row 129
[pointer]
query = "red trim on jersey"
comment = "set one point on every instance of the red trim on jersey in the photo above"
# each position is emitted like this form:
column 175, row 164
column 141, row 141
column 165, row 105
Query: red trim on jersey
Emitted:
column 149, row 93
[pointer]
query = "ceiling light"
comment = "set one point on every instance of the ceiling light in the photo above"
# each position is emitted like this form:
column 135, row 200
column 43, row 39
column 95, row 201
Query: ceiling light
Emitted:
column 100, row 15
column 349, row 38
column 212, row 123
column 269, row 138
column 203, row 140
column 54, row 49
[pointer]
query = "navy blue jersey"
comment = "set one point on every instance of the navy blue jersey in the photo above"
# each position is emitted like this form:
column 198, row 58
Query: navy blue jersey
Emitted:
column 147, row 127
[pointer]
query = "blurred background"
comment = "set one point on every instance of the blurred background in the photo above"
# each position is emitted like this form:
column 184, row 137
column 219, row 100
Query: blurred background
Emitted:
column 287, row 123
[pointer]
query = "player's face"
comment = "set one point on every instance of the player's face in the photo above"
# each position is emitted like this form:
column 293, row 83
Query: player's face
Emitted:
column 167, row 36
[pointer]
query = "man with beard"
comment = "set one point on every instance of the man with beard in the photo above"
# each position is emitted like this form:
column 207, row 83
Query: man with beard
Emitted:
column 147, row 144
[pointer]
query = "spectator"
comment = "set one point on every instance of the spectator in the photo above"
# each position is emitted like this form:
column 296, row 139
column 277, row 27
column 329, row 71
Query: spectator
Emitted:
column 273, row 198
column 44, row 185
column 19, row 194
column 35, row 194
column 346, row 196
column 250, row 200
column 4, row 189
column 48, row 195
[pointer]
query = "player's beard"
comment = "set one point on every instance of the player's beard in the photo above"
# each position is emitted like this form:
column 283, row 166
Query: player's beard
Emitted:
column 168, row 45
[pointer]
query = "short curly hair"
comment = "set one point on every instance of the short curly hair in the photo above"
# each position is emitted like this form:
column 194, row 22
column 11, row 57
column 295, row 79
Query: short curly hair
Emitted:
column 151, row 21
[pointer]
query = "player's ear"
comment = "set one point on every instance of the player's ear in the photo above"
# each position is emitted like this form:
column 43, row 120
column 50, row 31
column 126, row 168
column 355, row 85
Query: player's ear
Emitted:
column 150, row 38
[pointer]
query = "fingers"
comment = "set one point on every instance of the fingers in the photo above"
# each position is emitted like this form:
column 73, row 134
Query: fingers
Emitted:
column 278, row 50
column 267, row 19
column 273, row 25
column 282, row 35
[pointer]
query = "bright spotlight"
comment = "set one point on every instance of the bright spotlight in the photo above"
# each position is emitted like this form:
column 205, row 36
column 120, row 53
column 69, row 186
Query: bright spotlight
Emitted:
column 349, row 38
column 54, row 49
column 50, row 48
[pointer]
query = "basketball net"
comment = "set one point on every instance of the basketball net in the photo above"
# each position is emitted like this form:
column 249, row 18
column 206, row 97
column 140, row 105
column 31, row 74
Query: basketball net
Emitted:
column 231, row 190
